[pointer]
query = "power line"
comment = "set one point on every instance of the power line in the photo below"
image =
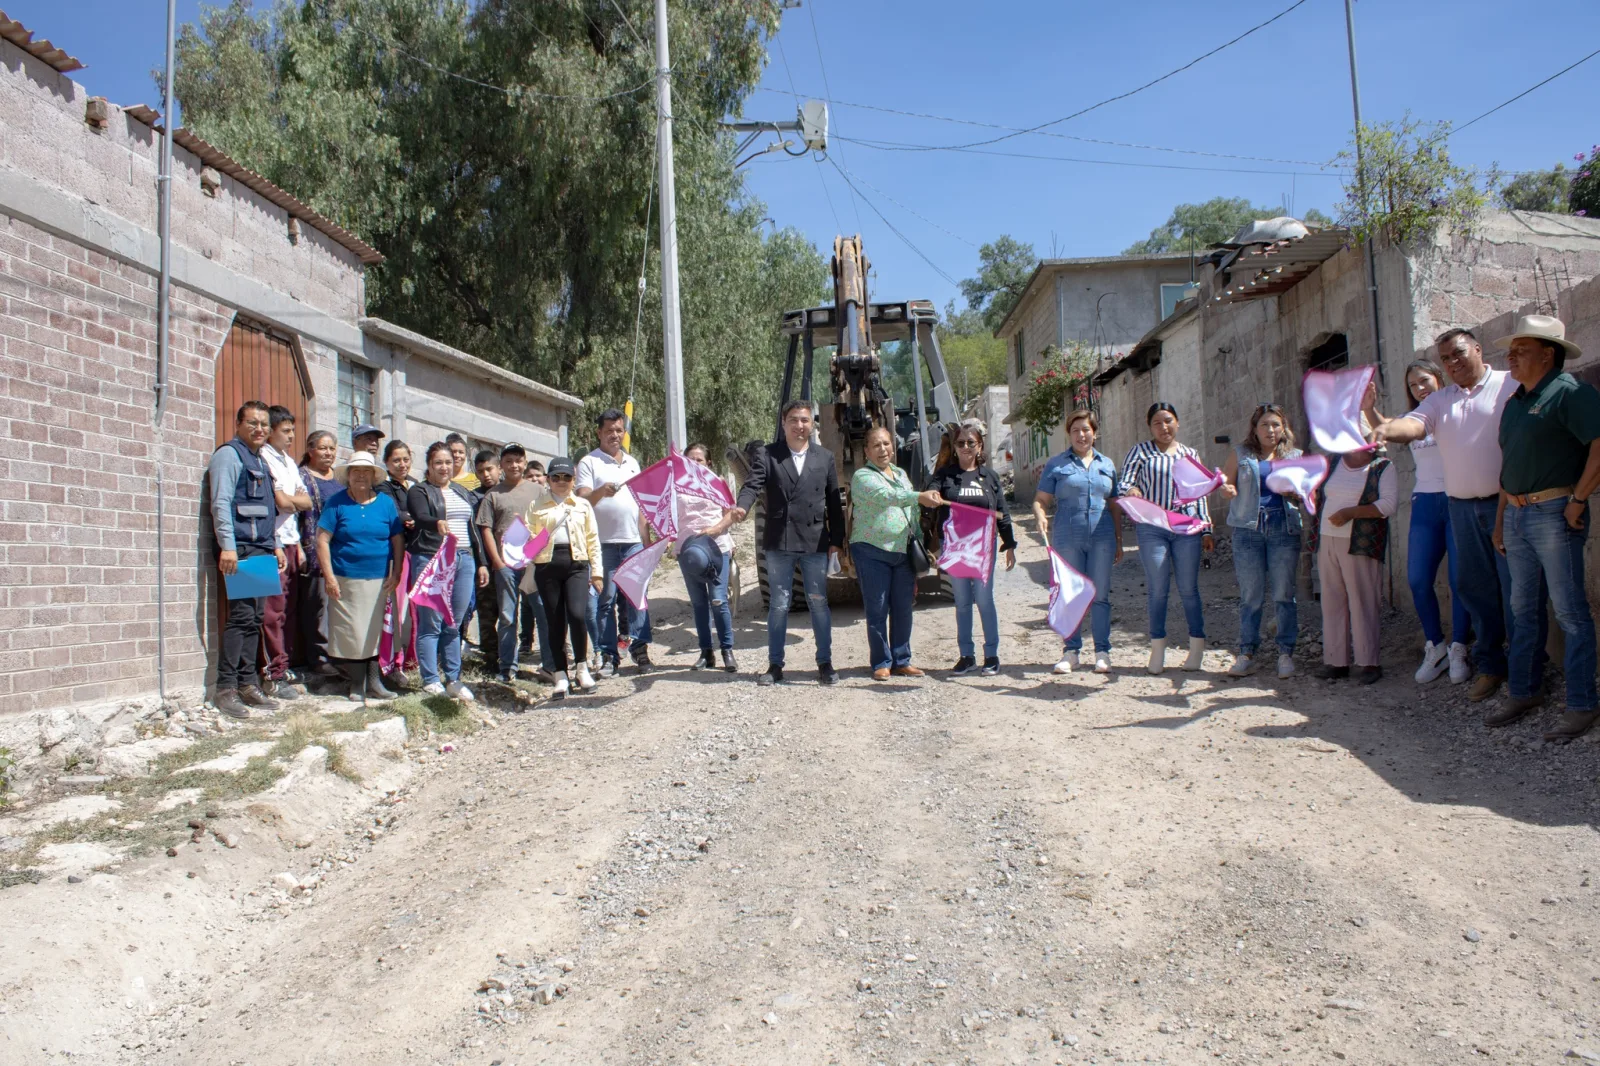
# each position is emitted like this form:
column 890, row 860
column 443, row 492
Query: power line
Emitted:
column 897, row 146
column 1112, row 99
column 904, row 208
column 515, row 91
column 903, row 238
column 1525, row 92
column 1064, row 136
column 822, row 179
column 827, row 89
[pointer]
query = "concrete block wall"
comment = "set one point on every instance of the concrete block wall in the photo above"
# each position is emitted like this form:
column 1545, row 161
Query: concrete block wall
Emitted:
column 78, row 464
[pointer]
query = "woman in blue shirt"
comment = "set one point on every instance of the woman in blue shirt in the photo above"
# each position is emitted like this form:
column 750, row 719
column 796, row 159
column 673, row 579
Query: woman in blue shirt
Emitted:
column 1086, row 530
column 360, row 538
column 1266, row 529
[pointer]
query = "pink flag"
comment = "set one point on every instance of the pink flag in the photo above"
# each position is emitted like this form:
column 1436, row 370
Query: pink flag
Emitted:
column 395, row 613
column 1071, row 595
column 692, row 479
column 658, row 501
column 633, row 576
column 518, row 547
column 1333, row 407
column 1299, row 476
column 1142, row 510
column 1192, row 480
column 437, row 582
column 968, row 542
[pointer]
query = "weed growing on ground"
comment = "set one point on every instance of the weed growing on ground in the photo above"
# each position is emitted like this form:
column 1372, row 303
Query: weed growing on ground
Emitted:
column 433, row 715
column 6, row 763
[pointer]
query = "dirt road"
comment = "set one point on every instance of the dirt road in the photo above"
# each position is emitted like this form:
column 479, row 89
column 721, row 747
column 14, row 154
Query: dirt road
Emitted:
column 986, row 870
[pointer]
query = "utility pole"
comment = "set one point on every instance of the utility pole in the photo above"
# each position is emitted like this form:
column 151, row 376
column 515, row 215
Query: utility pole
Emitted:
column 1361, row 187
column 671, row 321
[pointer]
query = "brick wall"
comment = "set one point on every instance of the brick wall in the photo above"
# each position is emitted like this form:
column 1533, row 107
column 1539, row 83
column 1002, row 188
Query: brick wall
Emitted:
column 78, row 461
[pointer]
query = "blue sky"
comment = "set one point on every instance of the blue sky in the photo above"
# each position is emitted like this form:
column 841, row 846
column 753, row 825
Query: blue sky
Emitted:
column 1282, row 94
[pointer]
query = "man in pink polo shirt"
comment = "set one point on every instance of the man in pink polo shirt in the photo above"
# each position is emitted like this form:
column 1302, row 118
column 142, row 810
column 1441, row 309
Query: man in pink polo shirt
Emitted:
column 1464, row 418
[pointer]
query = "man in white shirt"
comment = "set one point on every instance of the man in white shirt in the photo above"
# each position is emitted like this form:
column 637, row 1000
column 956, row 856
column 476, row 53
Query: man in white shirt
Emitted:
column 599, row 480
column 1464, row 418
column 292, row 497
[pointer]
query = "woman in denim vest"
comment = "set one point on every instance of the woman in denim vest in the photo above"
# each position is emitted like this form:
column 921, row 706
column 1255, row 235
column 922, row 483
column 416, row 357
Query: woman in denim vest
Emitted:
column 1085, row 529
column 1266, row 529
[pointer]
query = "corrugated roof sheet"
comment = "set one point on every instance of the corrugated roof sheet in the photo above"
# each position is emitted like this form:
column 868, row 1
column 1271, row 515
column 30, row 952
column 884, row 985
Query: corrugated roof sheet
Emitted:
column 1266, row 269
column 19, row 35
column 212, row 156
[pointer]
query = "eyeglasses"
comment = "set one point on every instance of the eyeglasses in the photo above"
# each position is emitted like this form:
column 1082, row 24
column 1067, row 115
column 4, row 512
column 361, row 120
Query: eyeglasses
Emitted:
column 966, row 444
column 247, row 424
column 559, row 477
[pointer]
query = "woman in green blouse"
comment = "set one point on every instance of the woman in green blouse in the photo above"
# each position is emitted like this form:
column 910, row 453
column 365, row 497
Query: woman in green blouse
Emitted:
column 885, row 520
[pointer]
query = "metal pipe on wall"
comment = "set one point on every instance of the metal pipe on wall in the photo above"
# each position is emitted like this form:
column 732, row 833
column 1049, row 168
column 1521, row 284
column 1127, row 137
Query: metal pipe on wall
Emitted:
column 164, row 342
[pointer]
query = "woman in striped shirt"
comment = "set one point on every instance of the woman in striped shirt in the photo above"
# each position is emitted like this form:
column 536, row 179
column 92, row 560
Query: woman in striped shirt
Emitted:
column 1147, row 473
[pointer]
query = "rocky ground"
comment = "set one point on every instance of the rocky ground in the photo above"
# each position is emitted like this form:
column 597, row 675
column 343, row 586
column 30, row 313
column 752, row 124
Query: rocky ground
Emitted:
column 1028, row 868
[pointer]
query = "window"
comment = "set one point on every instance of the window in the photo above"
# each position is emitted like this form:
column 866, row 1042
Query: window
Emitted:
column 355, row 397
column 1172, row 295
column 1022, row 359
column 1331, row 354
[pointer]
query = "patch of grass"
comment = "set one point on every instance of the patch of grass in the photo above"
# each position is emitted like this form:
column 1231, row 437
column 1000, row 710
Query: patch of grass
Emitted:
column 22, row 876
column 6, row 764
column 356, row 721
column 433, row 715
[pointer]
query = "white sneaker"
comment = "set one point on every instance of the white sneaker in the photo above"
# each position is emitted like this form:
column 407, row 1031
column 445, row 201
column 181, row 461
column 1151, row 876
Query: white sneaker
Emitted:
column 1102, row 663
column 585, row 679
column 1197, row 654
column 434, row 689
column 561, row 687
column 1285, row 665
column 1243, row 666
column 1068, row 663
column 1460, row 664
column 1434, row 658
column 1158, row 656
column 457, row 690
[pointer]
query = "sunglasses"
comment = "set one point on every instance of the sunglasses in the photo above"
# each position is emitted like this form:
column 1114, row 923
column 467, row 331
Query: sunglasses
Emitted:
column 558, row 477
column 966, row 444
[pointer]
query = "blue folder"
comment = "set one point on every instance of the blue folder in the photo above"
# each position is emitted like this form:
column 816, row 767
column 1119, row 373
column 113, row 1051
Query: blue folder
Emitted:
column 256, row 576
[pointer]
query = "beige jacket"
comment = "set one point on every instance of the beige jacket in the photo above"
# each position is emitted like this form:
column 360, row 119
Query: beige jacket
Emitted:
column 582, row 531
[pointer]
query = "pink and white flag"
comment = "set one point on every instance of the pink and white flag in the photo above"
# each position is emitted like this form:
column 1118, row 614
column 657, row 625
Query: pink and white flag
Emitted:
column 1299, row 476
column 968, row 542
column 1333, row 407
column 1192, row 480
column 436, row 584
column 1147, row 513
column 633, row 576
column 1071, row 595
column 395, row 613
column 519, row 547
column 692, row 479
column 654, row 490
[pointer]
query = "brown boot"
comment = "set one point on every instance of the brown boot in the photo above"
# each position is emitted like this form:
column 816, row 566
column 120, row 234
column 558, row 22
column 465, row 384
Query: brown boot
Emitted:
column 906, row 671
column 1516, row 709
column 1573, row 725
column 1484, row 686
column 251, row 696
column 227, row 701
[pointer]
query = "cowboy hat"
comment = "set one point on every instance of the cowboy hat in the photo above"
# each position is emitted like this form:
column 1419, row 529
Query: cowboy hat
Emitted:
column 359, row 461
column 1542, row 328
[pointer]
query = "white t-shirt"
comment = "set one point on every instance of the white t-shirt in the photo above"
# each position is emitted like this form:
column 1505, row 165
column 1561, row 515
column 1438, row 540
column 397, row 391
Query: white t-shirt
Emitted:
column 1343, row 489
column 1466, row 425
column 617, row 517
column 1430, row 465
column 799, row 461
column 285, row 479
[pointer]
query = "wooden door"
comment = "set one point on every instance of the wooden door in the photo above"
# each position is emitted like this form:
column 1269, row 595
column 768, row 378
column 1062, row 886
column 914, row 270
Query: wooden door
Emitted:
column 257, row 365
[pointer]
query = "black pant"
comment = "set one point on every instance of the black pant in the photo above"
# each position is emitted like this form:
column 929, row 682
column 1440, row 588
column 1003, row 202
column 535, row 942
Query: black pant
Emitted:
column 311, row 622
column 564, row 588
column 241, row 637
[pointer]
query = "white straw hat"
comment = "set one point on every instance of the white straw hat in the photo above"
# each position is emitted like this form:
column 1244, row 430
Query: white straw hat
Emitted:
column 1542, row 328
column 359, row 461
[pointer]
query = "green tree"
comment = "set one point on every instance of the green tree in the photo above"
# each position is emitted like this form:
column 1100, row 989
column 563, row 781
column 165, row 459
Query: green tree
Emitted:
column 515, row 219
column 1538, row 190
column 973, row 355
column 1199, row 226
column 1004, row 266
column 1407, row 185
column 1584, row 198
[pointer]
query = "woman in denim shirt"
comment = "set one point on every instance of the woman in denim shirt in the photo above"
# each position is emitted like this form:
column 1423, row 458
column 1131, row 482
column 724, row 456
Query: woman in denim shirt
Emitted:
column 1086, row 530
column 1266, row 529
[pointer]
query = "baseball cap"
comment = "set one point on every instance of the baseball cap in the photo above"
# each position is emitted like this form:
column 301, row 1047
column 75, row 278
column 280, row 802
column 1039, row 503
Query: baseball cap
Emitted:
column 558, row 466
column 365, row 429
column 513, row 449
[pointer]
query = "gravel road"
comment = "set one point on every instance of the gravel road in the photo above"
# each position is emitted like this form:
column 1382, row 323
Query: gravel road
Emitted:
column 1020, row 869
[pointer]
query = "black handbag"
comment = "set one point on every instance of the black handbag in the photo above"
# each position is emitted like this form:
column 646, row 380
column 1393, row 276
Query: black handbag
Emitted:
column 918, row 555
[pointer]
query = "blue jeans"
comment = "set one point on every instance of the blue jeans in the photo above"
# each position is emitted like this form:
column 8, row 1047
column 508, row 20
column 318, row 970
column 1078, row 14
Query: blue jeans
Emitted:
column 1165, row 555
column 508, row 599
column 780, row 591
column 1483, row 578
column 1543, row 551
column 1430, row 542
column 970, row 591
column 708, row 599
column 439, row 645
column 888, row 590
column 1260, row 556
column 634, row 622
column 1092, row 557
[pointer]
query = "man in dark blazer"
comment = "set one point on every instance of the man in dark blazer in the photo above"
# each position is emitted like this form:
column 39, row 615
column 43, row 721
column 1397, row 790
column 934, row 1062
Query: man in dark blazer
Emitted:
column 805, row 528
